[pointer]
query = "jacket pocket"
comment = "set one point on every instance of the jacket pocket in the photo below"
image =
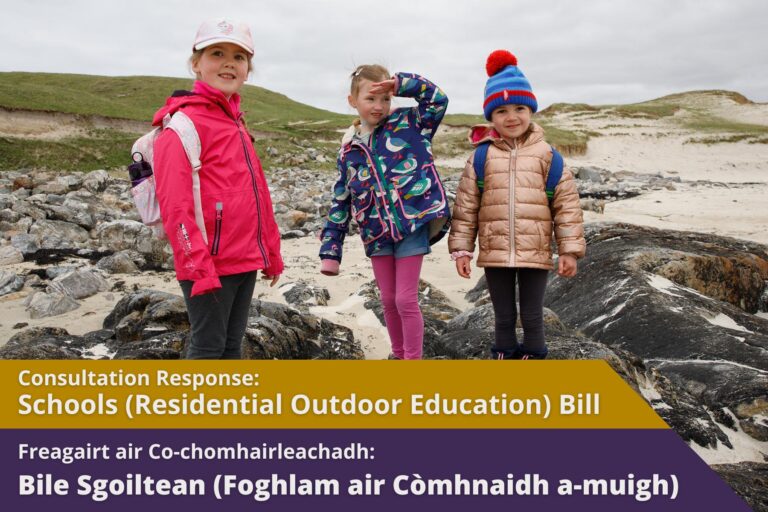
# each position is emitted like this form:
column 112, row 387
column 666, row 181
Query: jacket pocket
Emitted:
column 368, row 215
column 420, row 193
column 217, row 228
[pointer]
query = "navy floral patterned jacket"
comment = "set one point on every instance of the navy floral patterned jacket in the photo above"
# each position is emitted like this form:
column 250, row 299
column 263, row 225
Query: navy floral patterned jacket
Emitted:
column 392, row 187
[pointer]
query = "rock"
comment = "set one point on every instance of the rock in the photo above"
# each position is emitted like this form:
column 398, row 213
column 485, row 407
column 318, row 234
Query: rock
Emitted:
column 276, row 331
column 162, row 346
column 96, row 181
column 295, row 233
column 73, row 212
column 10, row 216
column 10, row 282
column 60, row 185
column 21, row 193
column 48, row 351
column 60, row 270
column 28, row 210
column 145, row 313
column 305, row 294
column 34, row 334
column 33, row 280
column 55, row 343
column 669, row 298
column 479, row 295
column 55, row 234
column 749, row 480
column 79, row 284
column 593, row 205
column 589, row 174
column 293, row 219
column 9, row 255
column 43, row 305
column 307, row 206
column 25, row 243
column 123, row 235
column 121, row 262
column 23, row 182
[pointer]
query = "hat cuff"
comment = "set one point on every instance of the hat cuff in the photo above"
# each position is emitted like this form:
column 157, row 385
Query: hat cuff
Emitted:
column 511, row 100
column 215, row 40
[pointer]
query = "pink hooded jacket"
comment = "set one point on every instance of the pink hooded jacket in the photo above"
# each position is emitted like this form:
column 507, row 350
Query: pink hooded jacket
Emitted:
column 240, row 227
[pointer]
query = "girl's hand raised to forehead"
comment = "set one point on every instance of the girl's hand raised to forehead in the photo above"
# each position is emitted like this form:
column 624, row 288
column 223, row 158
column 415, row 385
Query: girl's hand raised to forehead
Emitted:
column 387, row 86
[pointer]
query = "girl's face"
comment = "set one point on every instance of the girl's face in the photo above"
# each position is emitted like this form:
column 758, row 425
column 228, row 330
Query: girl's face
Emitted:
column 373, row 108
column 223, row 66
column 511, row 121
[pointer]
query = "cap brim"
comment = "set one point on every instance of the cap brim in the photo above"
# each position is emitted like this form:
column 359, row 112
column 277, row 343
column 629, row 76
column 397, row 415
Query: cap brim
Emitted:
column 216, row 40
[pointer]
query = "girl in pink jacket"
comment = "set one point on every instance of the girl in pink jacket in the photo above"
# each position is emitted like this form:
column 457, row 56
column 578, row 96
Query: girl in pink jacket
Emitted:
column 219, row 221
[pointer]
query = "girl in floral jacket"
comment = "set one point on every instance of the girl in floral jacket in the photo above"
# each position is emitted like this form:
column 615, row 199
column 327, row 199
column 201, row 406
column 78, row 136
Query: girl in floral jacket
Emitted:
column 389, row 184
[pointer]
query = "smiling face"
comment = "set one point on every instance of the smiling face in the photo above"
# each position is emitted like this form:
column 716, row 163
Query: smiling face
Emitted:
column 511, row 121
column 373, row 108
column 223, row 66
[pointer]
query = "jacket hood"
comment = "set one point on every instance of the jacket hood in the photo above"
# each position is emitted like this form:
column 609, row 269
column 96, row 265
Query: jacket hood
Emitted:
column 486, row 133
column 201, row 94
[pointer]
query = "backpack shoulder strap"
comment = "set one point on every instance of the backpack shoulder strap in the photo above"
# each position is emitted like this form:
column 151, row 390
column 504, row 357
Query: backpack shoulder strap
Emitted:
column 185, row 129
column 481, row 155
column 554, row 174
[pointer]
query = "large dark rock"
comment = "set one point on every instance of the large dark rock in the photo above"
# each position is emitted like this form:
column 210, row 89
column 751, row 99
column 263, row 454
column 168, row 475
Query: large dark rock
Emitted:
column 305, row 295
column 276, row 331
column 169, row 345
column 673, row 298
column 749, row 480
column 49, row 343
column 145, row 314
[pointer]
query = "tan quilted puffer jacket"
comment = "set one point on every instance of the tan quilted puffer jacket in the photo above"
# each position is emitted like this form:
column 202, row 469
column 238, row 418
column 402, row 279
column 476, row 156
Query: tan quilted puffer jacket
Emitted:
column 516, row 233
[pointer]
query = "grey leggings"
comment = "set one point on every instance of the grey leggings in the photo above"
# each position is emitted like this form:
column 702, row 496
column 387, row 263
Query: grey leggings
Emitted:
column 218, row 319
column 501, row 285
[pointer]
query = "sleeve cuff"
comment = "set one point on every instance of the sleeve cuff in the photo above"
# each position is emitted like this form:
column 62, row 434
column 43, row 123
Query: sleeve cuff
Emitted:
column 329, row 267
column 205, row 285
column 458, row 254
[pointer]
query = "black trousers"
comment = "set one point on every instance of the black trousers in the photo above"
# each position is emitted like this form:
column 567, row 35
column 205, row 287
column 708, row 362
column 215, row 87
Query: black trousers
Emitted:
column 501, row 285
column 218, row 319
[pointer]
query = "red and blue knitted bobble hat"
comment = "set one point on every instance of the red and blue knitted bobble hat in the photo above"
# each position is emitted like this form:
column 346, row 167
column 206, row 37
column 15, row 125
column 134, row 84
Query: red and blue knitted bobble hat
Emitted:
column 506, row 84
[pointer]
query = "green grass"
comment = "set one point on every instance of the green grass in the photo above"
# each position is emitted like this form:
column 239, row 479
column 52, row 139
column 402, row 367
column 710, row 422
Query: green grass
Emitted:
column 567, row 142
column 275, row 119
column 644, row 110
column 138, row 97
column 103, row 149
column 711, row 124
column 559, row 108
column 467, row 120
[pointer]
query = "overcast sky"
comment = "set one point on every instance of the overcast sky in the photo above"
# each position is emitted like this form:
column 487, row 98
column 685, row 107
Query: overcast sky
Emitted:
column 598, row 52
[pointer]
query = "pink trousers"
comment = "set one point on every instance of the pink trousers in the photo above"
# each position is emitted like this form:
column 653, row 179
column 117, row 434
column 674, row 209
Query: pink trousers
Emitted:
column 398, row 281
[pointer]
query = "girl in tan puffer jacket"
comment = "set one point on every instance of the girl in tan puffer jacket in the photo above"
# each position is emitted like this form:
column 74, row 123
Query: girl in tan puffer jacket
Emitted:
column 512, row 216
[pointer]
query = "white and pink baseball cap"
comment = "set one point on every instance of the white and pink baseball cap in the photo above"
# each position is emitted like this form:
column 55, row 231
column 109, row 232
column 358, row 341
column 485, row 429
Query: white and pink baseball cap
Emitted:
column 223, row 30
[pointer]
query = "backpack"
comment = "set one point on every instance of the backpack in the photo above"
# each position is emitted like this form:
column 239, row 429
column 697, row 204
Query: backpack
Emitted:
column 142, row 176
column 553, row 178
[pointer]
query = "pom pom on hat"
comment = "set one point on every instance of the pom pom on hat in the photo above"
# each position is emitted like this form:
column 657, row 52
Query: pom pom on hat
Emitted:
column 506, row 85
column 498, row 60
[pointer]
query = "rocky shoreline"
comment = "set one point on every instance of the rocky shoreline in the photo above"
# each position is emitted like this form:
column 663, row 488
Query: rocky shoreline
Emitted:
column 674, row 313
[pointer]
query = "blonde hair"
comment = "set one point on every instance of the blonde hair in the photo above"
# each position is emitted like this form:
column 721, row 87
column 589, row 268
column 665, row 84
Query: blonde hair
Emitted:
column 198, row 54
column 372, row 72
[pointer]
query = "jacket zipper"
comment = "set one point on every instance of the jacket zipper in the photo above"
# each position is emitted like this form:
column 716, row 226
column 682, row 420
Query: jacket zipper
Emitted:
column 255, row 193
column 217, row 229
column 396, row 229
column 253, row 184
column 512, row 174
